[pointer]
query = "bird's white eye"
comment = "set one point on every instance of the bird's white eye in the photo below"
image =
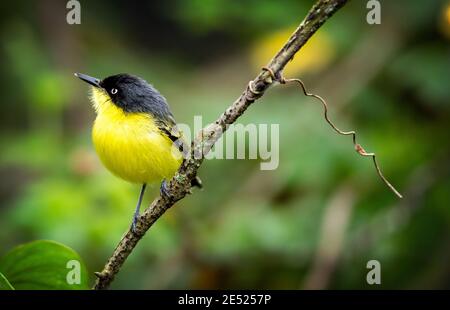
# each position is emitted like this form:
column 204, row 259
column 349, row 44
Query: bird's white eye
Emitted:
column 114, row 91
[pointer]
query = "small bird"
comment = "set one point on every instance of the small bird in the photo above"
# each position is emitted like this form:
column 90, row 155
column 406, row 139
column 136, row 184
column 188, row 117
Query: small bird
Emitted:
column 135, row 134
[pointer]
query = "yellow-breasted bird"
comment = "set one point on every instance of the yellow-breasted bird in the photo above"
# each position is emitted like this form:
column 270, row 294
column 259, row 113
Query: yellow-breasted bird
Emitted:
column 134, row 132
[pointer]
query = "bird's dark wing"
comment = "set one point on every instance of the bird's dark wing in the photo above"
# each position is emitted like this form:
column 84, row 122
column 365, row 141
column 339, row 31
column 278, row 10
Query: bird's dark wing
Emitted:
column 169, row 127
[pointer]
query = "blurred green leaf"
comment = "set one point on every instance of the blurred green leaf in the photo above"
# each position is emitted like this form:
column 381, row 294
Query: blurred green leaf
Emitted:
column 4, row 283
column 45, row 92
column 42, row 265
column 421, row 69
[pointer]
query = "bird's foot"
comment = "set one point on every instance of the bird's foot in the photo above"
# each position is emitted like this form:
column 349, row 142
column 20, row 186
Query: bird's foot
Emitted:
column 163, row 190
column 134, row 222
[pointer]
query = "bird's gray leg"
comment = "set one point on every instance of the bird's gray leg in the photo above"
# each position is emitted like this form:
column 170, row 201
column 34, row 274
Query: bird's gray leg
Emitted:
column 138, row 207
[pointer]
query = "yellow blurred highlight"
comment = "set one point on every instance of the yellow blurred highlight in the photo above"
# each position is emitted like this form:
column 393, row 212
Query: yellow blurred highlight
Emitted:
column 313, row 57
column 445, row 21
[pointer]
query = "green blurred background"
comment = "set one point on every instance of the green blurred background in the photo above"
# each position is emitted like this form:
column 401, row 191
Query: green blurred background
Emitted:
column 312, row 223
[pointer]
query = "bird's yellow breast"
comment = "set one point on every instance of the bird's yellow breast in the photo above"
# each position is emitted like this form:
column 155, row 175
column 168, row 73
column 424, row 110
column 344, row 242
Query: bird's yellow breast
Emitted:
column 131, row 145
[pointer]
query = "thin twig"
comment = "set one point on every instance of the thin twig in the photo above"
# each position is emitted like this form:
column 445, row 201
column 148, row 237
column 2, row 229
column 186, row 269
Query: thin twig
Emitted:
column 358, row 148
column 179, row 186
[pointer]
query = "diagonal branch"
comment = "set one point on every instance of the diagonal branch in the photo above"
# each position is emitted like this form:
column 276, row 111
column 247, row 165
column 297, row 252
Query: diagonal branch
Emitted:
column 180, row 185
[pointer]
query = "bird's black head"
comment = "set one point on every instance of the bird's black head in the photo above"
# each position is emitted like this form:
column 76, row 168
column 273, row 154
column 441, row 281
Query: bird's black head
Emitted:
column 131, row 93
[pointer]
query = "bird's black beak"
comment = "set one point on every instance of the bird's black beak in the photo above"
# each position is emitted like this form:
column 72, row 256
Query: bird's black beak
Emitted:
column 88, row 79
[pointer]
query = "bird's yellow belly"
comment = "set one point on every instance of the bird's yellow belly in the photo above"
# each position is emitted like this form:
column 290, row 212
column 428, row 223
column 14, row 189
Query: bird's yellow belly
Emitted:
column 132, row 147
